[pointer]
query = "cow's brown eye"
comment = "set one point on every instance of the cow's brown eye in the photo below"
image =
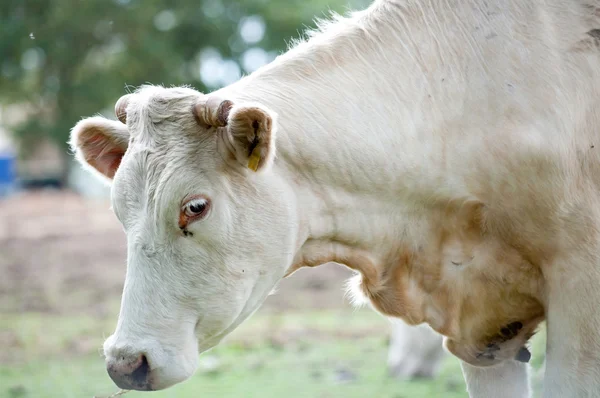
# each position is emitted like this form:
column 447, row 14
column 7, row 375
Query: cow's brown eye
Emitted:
column 196, row 207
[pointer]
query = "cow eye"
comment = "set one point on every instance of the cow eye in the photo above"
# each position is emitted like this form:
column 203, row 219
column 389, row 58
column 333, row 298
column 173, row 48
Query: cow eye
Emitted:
column 196, row 207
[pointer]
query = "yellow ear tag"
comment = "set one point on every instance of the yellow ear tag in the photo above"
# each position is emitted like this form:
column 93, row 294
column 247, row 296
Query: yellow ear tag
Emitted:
column 254, row 160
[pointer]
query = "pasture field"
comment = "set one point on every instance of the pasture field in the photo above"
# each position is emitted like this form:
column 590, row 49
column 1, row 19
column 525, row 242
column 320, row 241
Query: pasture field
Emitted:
column 306, row 356
column 62, row 266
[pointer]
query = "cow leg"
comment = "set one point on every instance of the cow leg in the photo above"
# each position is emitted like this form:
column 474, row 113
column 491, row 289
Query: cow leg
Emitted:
column 414, row 351
column 573, row 329
column 509, row 379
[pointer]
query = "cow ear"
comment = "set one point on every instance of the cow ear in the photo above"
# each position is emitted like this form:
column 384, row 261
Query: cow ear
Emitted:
column 250, row 135
column 100, row 143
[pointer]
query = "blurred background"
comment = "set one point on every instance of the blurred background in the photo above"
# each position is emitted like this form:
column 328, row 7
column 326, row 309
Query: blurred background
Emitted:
column 62, row 252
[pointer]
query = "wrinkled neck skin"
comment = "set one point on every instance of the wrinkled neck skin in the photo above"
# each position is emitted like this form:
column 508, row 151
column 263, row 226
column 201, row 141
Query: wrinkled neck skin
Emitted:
column 397, row 178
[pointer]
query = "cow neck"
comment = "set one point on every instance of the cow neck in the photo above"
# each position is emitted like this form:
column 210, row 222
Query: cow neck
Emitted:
column 346, row 140
column 370, row 172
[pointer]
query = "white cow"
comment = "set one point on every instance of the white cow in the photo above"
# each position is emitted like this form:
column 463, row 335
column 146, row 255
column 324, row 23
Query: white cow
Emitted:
column 447, row 151
column 415, row 351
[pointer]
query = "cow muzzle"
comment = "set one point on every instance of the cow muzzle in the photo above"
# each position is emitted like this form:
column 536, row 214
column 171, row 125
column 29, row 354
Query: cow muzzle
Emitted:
column 146, row 364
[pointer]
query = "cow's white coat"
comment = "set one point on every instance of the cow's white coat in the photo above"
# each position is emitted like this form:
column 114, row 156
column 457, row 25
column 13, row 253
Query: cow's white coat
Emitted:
column 378, row 120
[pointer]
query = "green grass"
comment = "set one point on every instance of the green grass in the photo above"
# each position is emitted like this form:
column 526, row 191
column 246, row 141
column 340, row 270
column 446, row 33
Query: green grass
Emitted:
column 290, row 355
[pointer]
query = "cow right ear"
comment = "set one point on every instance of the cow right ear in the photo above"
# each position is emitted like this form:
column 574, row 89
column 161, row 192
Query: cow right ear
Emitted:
column 249, row 134
column 100, row 144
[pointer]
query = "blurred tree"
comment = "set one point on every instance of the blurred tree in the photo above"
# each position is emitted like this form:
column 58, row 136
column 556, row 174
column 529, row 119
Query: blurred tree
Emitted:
column 64, row 59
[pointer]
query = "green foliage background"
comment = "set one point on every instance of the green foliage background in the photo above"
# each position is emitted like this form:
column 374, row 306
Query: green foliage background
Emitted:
column 86, row 52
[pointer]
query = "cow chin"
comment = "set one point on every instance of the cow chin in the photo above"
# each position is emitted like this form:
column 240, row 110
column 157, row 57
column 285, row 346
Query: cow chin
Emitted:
column 175, row 371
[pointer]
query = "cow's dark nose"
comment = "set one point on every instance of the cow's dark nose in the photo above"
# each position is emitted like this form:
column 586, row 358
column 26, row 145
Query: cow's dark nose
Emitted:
column 130, row 373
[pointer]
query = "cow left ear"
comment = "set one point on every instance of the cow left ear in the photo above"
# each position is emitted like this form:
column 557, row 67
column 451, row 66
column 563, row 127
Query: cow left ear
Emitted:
column 250, row 135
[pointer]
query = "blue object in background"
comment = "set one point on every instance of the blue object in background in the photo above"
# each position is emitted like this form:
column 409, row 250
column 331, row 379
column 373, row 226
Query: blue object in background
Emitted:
column 8, row 174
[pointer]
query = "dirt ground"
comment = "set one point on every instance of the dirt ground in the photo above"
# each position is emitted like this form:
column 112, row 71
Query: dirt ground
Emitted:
column 61, row 253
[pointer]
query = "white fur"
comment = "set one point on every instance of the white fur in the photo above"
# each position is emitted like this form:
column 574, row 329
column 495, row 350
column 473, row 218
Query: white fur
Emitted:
column 381, row 117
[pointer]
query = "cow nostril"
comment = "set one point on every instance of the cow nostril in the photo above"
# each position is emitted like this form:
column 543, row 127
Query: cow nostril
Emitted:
column 140, row 375
column 131, row 374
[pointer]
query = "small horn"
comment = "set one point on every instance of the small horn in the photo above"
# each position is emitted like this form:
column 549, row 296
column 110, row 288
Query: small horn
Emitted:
column 121, row 108
column 213, row 111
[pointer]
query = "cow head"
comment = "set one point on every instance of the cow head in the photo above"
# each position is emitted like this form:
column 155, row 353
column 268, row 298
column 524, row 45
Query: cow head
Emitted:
column 210, row 226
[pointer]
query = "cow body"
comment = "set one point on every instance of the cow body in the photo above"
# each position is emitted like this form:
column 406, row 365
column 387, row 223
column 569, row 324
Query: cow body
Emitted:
column 446, row 151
